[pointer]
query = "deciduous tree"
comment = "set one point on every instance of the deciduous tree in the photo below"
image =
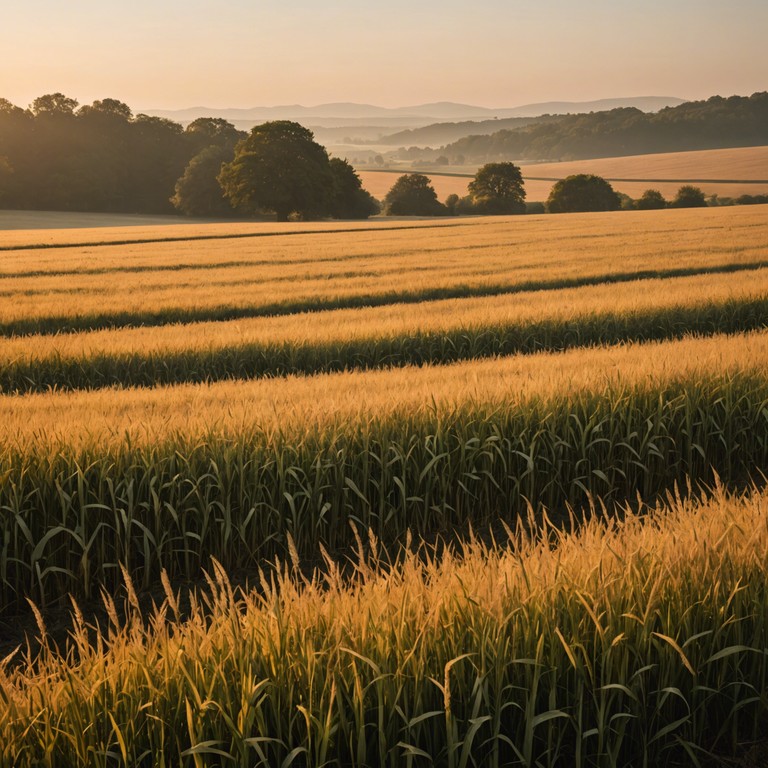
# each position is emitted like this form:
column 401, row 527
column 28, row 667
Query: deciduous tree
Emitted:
column 279, row 167
column 413, row 195
column 348, row 199
column 498, row 189
column 689, row 197
column 651, row 200
column 198, row 192
column 582, row 192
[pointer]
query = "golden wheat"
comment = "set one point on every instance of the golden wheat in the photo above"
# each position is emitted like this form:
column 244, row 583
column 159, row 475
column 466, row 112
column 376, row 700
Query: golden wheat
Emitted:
column 640, row 642
column 309, row 271
column 299, row 404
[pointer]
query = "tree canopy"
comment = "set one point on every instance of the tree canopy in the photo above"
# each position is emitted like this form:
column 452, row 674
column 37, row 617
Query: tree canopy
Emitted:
column 498, row 189
column 651, row 200
column 57, row 155
column 198, row 192
column 97, row 157
column 279, row 167
column 689, row 197
column 735, row 121
column 582, row 192
column 348, row 198
column 413, row 195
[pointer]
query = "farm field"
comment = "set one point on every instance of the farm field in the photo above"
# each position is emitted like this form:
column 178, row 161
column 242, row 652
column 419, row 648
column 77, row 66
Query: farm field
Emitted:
column 723, row 172
column 491, row 491
column 376, row 665
column 39, row 229
column 378, row 183
column 738, row 164
column 154, row 283
column 32, row 220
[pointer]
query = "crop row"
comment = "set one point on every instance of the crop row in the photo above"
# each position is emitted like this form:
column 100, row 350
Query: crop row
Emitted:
column 70, row 517
column 320, row 272
column 49, row 238
column 291, row 405
column 194, row 362
column 638, row 643
column 84, row 313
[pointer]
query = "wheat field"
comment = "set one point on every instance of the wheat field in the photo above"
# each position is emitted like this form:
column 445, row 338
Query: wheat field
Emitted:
column 491, row 492
column 738, row 164
column 153, row 283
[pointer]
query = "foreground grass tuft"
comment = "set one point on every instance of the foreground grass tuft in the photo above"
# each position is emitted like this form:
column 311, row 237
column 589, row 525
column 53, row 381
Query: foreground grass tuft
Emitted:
column 642, row 642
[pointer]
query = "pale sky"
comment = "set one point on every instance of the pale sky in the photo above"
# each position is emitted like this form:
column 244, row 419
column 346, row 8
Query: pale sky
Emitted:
column 495, row 53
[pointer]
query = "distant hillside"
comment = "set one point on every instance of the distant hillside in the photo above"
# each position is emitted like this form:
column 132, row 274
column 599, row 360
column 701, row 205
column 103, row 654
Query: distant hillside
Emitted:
column 644, row 103
column 437, row 134
column 737, row 121
column 347, row 113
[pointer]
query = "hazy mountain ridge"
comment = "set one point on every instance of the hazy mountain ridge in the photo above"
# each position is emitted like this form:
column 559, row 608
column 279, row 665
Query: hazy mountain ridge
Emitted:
column 422, row 114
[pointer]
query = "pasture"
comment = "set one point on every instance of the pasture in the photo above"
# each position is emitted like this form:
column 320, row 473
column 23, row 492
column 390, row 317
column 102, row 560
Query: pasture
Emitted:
column 490, row 489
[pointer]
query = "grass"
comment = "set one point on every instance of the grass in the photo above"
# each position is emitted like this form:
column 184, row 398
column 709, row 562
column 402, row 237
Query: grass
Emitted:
column 638, row 642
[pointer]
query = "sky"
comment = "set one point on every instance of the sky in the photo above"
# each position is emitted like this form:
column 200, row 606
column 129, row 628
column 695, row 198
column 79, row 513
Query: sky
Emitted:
column 171, row 54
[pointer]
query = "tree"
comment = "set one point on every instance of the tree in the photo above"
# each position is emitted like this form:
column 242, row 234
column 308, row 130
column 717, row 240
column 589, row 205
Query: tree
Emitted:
column 198, row 192
column 689, row 197
column 413, row 195
column 451, row 204
column 751, row 199
column 54, row 104
column 5, row 178
column 207, row 131
column 159, row 157
column 582, row 192
column 348, row 198
column 107, row 107
column 279, row 167
column 651, row 200
column 498, row 189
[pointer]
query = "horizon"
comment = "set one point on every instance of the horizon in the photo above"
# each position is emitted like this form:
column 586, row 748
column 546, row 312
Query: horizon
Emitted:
column 415, row 105
column 194, row 52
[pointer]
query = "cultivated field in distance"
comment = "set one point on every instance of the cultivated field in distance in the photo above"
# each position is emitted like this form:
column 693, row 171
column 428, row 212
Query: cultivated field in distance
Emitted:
column 486, row 491
column 723, row 172
column 378, row 183
column 739, row 164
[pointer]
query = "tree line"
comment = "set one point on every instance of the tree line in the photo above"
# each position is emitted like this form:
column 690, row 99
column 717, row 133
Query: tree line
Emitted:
column 498, row 189
column 58, row 155
column 100, row 157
